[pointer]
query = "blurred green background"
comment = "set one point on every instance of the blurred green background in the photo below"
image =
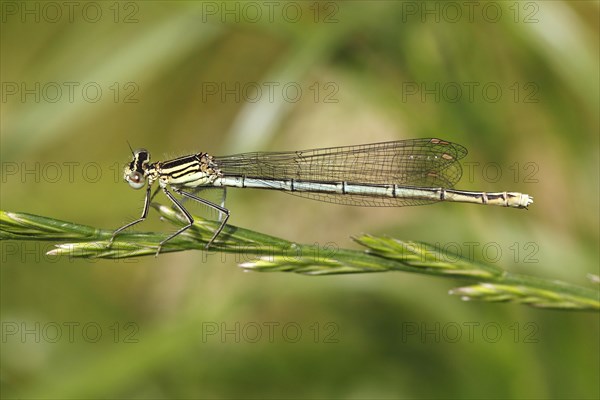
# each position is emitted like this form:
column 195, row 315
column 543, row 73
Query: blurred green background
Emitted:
column 515, row 82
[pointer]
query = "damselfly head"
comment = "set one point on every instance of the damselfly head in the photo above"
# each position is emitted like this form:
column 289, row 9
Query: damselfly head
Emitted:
column 135, row 172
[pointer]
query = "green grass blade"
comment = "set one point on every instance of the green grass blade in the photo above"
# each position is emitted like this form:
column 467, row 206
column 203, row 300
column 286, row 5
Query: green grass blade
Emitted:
column 488, row 282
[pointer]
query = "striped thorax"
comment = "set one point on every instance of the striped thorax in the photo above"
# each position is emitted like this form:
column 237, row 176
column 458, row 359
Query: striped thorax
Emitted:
column 189, row 171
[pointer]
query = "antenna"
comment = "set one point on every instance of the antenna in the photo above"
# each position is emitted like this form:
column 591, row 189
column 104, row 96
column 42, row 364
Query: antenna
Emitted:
column 130, row 148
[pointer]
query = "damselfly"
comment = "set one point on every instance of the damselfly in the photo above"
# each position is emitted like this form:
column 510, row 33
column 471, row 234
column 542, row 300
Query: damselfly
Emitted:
column 389, row 174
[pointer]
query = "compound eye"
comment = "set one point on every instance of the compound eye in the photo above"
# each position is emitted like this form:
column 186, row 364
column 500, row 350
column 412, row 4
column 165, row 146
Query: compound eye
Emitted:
column 143, row 152
column 135, row 180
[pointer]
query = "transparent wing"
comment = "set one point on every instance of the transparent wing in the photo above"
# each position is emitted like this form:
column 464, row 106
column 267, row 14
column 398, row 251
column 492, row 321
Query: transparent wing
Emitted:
column 408, row 163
